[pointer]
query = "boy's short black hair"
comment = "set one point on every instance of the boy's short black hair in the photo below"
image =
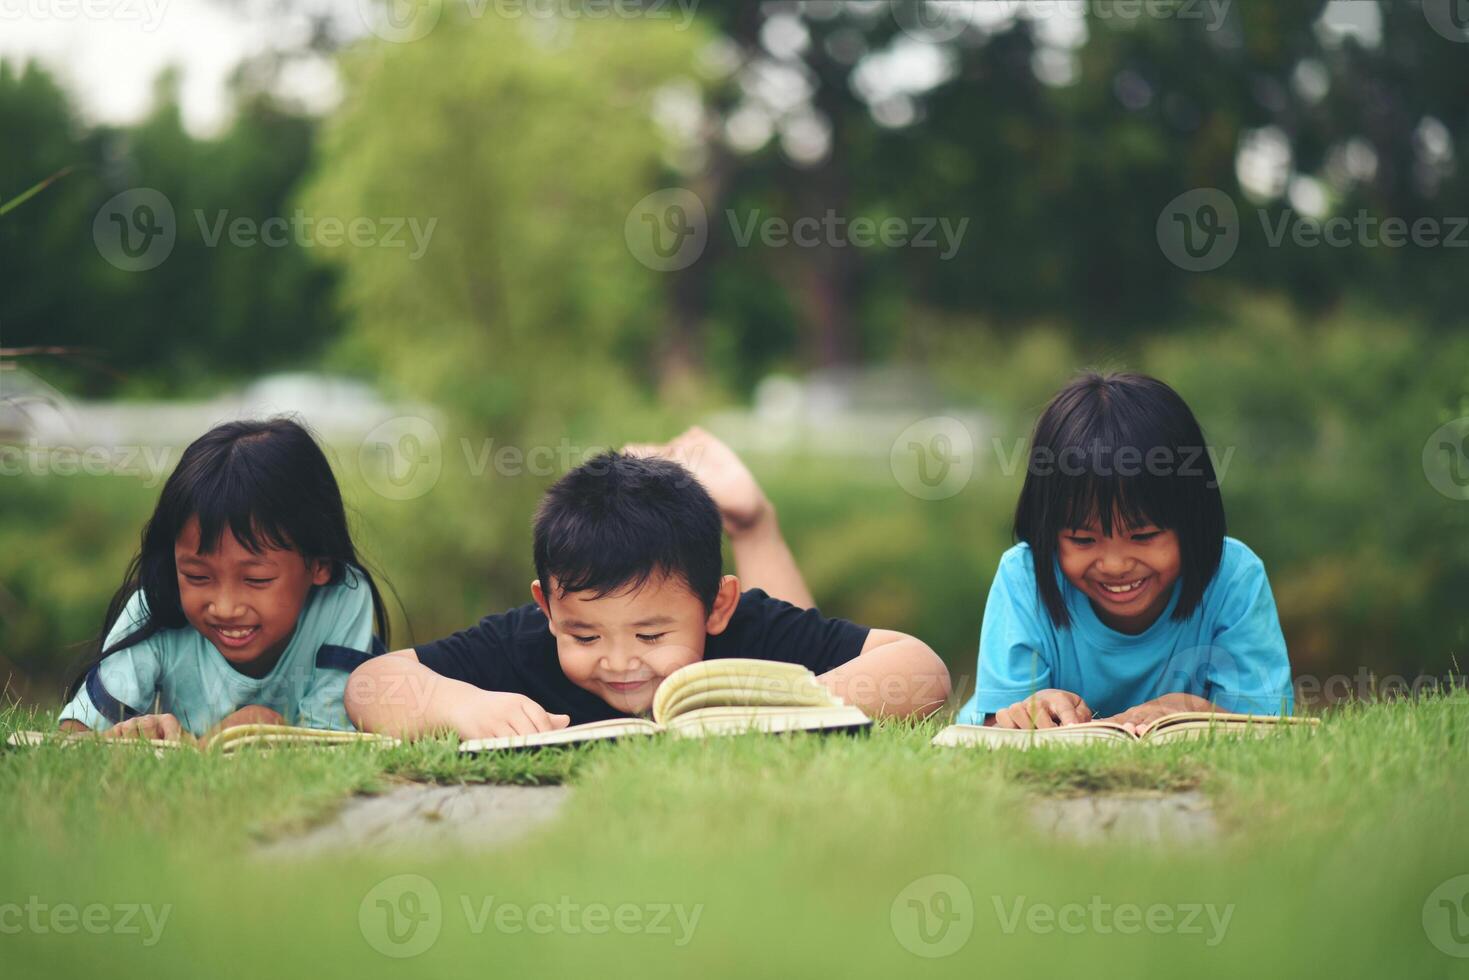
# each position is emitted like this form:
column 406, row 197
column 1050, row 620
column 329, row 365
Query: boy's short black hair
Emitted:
column 1121, row 445
column 616, row 520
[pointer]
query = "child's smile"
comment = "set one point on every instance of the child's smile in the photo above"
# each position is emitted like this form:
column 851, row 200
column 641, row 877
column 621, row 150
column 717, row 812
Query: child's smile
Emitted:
column 1128, row 575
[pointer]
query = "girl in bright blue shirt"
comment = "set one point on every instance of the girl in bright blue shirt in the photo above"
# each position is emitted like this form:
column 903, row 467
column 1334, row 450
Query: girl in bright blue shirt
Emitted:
column 247, row 602
column 1124, row 600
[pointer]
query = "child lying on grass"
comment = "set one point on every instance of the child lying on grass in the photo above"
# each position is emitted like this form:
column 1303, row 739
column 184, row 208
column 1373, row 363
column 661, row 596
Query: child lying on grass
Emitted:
column 247, row 603
column 629, row 588
column 1124, row 598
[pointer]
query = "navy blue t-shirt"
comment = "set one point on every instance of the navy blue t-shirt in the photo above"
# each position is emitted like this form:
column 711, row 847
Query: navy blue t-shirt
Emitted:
column 515, row 652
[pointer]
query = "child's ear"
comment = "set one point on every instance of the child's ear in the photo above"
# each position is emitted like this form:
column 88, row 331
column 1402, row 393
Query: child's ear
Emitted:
column 725, row 601
column 321, row 571
column 539, row 594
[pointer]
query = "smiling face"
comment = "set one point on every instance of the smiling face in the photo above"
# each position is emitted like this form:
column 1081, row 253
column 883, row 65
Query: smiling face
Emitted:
column 621, row 646
column 1128, row 575
column 245, row 603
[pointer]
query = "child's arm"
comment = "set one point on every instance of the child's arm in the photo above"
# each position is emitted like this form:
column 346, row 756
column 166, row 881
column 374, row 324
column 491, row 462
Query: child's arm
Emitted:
column 396, row 695
column 118, row 691
column 1013, row 686
column 762, row 558
column 895, row 675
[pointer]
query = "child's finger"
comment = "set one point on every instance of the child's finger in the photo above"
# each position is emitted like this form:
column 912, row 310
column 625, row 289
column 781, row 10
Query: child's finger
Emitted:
column 1066, row 714
column 519, row 723
column 1043, row 719
column 537, row 717
column 560, row 721
column 1083, row 711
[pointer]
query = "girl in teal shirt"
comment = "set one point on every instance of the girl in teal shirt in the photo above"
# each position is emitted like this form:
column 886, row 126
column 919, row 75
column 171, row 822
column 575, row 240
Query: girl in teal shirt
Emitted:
column 247, row 602
column 1124, row 599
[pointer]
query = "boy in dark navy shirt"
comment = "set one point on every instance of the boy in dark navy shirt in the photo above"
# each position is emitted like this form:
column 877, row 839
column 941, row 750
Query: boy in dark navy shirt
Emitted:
column 629, row 588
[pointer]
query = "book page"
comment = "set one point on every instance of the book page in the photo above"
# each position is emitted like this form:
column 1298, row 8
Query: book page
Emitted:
column 594, row 731
column 992, row 737
column 239, row 736
column 738, row 681
column 738, row 719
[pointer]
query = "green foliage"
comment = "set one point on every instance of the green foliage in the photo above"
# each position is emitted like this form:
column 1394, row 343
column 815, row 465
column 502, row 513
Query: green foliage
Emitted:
column 526, row 319
column 207, row 314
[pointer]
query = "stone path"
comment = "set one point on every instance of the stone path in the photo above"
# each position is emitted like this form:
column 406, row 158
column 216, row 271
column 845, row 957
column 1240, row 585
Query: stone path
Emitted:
column 419, row 817
column 1171, row 818
column 476, row 817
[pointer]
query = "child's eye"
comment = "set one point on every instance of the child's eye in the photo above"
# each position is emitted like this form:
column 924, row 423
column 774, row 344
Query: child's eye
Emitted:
column 1078, row 539
column 584, row 640
column 195, row 579
column 651, row 637
column 259, row 581
column 1146, row 535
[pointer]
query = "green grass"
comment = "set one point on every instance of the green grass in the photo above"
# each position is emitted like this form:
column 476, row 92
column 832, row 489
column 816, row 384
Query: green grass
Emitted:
column 794, row 851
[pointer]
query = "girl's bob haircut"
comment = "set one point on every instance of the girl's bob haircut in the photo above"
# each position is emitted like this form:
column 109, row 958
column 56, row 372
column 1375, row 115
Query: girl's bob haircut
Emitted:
column 1120, row 448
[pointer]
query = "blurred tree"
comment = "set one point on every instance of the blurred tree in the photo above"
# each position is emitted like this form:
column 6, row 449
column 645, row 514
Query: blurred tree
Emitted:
column 209, row 312
column 520, row 152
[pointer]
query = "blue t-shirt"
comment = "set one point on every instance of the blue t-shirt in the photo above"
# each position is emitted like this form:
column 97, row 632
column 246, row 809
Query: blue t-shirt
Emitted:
column 1230, row 650
column 188, row 678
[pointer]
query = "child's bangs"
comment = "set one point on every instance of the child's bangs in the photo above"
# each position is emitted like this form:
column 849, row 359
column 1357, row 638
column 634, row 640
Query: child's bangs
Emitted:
column 234, row 505
column 1104, row 497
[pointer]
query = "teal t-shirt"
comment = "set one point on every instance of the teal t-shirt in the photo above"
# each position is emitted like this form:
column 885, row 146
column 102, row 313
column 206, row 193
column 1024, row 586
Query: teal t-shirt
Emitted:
column 188, row 678
column 1230, row 650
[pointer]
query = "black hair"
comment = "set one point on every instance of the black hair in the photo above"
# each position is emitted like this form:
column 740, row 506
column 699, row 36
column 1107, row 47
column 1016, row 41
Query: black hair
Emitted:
column 616, row 520
column 270, row 484
column 1121, row 445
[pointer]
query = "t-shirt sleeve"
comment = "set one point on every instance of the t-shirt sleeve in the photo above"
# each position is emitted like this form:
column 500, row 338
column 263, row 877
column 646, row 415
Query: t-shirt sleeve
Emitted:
column 772, row 629
column 345, row 623
column 480, row 655
column 1013, row 662
column 124, row 684
column 1247, row 669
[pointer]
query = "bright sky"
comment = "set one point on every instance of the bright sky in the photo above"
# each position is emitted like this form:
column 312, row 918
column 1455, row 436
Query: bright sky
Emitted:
column 109, row 52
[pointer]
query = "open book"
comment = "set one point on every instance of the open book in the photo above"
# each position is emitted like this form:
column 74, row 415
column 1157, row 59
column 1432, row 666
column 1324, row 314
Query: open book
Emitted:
column 228, row 740
column 1177, row 727
column 713, row 697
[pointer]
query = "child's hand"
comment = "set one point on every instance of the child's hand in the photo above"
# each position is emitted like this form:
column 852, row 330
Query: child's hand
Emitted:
column 1137, row 720
column 742, row 504
column 164, row 727
column 490, row 714
column 1044, row 709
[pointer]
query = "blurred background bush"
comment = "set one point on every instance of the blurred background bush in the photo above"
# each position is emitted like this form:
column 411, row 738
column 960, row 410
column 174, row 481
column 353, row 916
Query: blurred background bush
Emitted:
column 522, row 141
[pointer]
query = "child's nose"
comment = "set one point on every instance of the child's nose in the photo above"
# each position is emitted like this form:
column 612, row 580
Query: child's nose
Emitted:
column 621, row 660
column 1113, row 562
column 225, row 605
